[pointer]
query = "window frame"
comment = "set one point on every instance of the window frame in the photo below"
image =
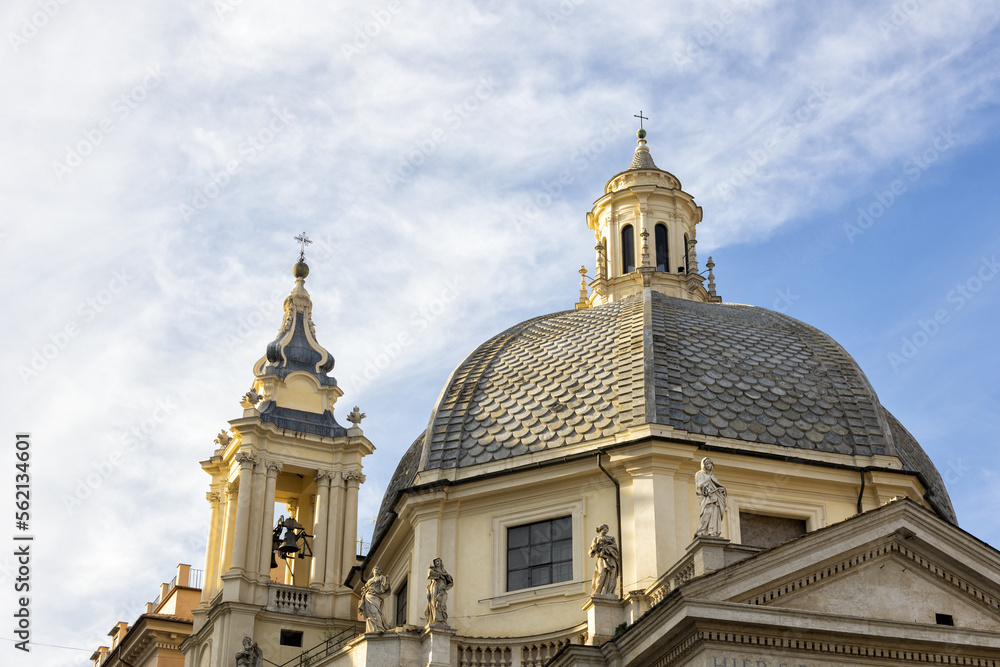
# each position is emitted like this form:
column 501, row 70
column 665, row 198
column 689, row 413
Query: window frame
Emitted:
column 813, row 513
column 404, row 589
column 628, row 248
column 666, row 246
column 500, row 523
column 552, row 564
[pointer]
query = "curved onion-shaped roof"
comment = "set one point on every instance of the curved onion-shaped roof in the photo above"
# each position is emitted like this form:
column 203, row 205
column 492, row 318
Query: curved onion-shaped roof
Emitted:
column 725, row 370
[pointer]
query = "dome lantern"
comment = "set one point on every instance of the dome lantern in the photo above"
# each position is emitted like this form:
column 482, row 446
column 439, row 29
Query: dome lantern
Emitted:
column 645, row 228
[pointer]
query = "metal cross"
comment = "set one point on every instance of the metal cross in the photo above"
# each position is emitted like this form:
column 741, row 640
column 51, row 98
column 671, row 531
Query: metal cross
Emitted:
column 641, row 118
column 304, row 241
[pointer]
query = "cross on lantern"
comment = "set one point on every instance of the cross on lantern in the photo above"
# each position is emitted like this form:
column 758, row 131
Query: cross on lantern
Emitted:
column 304, row 241
column 641, row 118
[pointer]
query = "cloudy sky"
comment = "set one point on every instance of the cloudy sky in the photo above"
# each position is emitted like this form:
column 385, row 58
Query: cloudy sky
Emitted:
column 158, row 158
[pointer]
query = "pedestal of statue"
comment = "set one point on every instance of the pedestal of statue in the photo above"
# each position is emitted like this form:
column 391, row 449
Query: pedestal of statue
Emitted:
column 604, row 614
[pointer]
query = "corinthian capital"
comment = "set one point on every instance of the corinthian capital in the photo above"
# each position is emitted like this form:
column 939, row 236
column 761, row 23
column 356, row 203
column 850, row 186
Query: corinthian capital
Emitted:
column 245, row 457
column 354, row 475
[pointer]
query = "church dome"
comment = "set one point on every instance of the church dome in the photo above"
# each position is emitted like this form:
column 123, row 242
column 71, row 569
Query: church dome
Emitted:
column 651, row 350
column 712, row 372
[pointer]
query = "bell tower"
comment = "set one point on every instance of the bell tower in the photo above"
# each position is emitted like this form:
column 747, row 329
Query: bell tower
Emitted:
column 286, row 448
column 645, row 229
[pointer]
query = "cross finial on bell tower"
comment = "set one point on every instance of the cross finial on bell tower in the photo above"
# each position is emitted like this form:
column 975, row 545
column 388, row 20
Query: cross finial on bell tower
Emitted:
column 640, row 117
column 303, row 242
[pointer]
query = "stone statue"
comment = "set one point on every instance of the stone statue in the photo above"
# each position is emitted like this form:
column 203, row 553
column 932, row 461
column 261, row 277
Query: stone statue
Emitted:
column 223, row 439
column 250, row 655
column 372, row 596
column 713, row 500
column 605, row 549
column 438, row 583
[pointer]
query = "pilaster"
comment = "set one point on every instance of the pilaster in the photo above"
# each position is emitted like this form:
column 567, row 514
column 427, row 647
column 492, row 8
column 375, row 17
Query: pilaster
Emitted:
column 213, row 549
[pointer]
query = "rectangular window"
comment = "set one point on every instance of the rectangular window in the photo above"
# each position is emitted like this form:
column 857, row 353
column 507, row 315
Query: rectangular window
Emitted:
column 401, row 605
column 540, row 553
column 290, row 638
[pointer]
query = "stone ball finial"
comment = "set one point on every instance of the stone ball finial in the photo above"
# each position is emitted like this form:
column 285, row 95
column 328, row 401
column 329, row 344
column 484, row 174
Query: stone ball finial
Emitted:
column 641, row 133
column 300, row 270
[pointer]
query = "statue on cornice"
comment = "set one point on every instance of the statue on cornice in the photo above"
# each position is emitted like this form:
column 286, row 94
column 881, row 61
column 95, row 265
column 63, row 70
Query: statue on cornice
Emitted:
column 372, row 596
column 438, row 583
column 713, row 500
column 605, row 549
column 250, row 655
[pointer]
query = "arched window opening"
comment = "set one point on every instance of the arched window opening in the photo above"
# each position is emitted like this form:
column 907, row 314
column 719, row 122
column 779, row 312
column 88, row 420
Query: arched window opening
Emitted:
column 687, row 263
column 662, row 261
column 628, row 249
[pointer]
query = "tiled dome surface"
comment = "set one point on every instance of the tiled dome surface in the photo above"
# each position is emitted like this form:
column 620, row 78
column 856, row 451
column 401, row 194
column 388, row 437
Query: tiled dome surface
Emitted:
column 725, row 370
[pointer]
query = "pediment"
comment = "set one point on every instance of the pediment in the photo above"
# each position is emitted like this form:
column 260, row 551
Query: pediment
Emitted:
column 889, row 581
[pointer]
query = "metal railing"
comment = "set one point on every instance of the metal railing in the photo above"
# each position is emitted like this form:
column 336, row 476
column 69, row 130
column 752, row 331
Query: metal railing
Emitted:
column 320, row 651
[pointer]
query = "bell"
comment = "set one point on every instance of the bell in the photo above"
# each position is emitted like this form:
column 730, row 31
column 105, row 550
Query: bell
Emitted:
column 289, row 545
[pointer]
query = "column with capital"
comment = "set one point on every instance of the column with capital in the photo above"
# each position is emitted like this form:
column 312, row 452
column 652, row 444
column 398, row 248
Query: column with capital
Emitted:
column 214, row 549
column 256, row 512
column 317, row 576
column 352, row 479
column 230, row 499
column 267, row 518
column 334, row 532
column 246, row 460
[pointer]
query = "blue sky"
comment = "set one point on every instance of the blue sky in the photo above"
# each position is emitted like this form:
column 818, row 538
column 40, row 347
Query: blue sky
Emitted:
column 159, row 158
